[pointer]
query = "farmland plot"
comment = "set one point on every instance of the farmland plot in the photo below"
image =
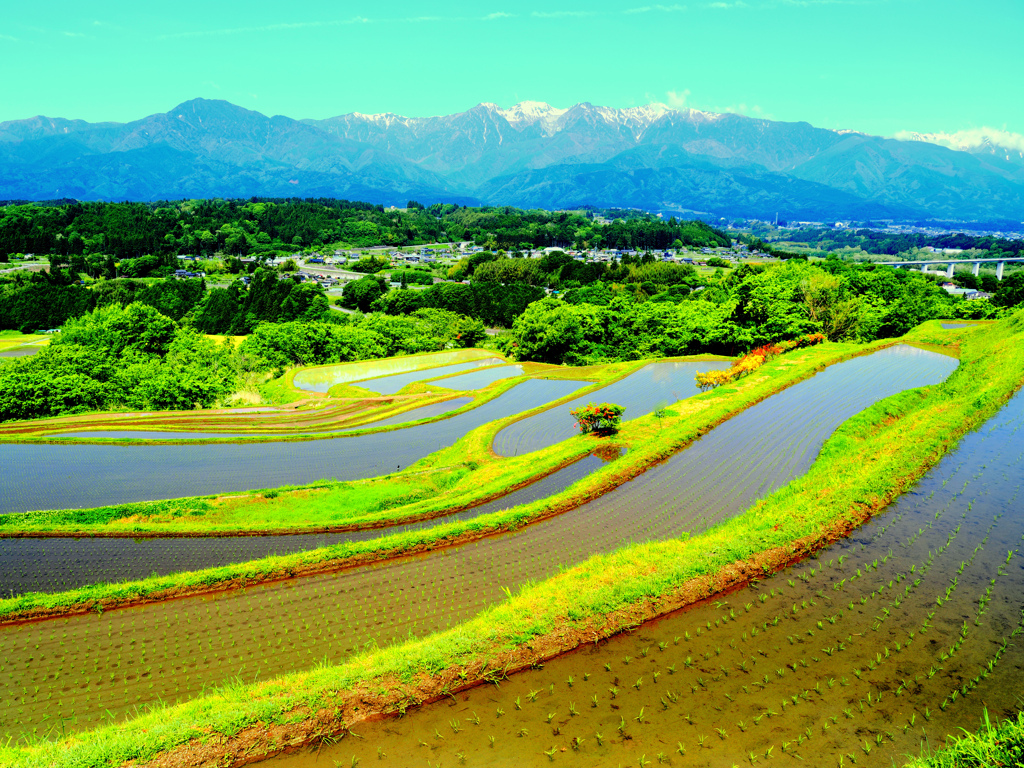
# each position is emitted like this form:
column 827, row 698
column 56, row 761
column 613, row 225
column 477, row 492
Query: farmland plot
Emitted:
column 389, row 385
column 55, row 564
column 640, row 393
column 480, row 379
column 881, row 645
column 414, row 414
column 39, row 476
column 183, row 646
column 322, row 378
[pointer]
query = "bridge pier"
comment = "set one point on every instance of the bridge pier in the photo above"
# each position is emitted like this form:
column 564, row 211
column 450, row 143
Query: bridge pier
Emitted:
column 999, row 270
column 949, row 271
column 976, row 268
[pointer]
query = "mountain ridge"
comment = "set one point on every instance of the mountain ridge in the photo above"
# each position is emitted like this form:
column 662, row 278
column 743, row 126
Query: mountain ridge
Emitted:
column 532, row 153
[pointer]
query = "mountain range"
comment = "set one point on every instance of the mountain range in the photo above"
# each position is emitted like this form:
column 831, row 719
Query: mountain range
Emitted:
column 531, row 155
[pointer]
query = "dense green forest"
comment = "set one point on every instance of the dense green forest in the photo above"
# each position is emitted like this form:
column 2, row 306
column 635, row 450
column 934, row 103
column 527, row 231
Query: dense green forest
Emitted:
column 893, row 244
column 90, row 237
column 134, row 357
column 738, row 310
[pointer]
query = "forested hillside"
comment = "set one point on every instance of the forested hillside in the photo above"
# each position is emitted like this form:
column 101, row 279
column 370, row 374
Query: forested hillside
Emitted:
column 91, row 236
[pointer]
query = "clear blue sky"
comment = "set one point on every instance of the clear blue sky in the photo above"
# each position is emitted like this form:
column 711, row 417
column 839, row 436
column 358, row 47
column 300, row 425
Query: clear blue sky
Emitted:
column 873, row 65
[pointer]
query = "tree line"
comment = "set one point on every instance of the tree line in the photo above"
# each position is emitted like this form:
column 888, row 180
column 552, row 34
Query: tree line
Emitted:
column 94, row 236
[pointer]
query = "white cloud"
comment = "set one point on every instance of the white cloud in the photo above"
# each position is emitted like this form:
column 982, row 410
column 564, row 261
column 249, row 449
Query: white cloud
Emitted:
column 561, row 14
column 677, row 99
column 968, row 139
column 268, row 28
column 499, row 15
column 660, row 8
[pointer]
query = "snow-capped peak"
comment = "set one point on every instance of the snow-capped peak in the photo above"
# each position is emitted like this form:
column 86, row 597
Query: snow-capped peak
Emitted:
column 972, row 139
column 529, row 112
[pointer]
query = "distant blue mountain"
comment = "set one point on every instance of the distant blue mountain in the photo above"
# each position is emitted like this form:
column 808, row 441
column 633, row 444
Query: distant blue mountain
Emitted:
column 531, row 155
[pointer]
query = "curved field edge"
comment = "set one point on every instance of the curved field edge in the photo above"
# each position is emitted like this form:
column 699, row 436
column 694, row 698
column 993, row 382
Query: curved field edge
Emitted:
column 868, row 462
column 648, row 442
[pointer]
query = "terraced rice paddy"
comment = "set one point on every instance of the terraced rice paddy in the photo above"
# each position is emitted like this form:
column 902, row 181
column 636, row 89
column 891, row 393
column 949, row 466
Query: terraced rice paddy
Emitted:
column 322, row 378
column 172, row 650
column 640, row 393
column 414, row 414
column 389, row 385
column 40, row 476
column 480, row 379
column 283, row 420
column 879, row 647
column 57, row 564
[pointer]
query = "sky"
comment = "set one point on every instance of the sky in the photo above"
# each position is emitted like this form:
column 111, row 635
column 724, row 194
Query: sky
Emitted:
column 878, row 66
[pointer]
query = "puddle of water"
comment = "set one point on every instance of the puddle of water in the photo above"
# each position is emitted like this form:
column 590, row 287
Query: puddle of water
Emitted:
column 640, row 393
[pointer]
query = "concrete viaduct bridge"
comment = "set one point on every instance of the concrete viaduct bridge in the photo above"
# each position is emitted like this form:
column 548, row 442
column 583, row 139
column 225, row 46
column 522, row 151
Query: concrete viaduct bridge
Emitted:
column 951, row 264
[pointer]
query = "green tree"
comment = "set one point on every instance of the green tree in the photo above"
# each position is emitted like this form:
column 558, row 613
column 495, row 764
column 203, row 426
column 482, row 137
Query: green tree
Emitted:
column 360, row 294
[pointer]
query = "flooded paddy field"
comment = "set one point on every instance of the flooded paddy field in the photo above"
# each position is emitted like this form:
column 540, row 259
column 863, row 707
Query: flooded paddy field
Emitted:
column 640, row 393
column 322, row 378
column 55, row 564
column 46, row 476
column 414, row 414
column 389, row 385
column 480, row 379
column 172, row 650
column 879, row 646
column 282, row 420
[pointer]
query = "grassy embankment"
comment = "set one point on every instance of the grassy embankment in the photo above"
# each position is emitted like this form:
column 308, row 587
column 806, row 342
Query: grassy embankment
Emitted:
column 991, row 745
column 869, row 461
column 648, row 440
